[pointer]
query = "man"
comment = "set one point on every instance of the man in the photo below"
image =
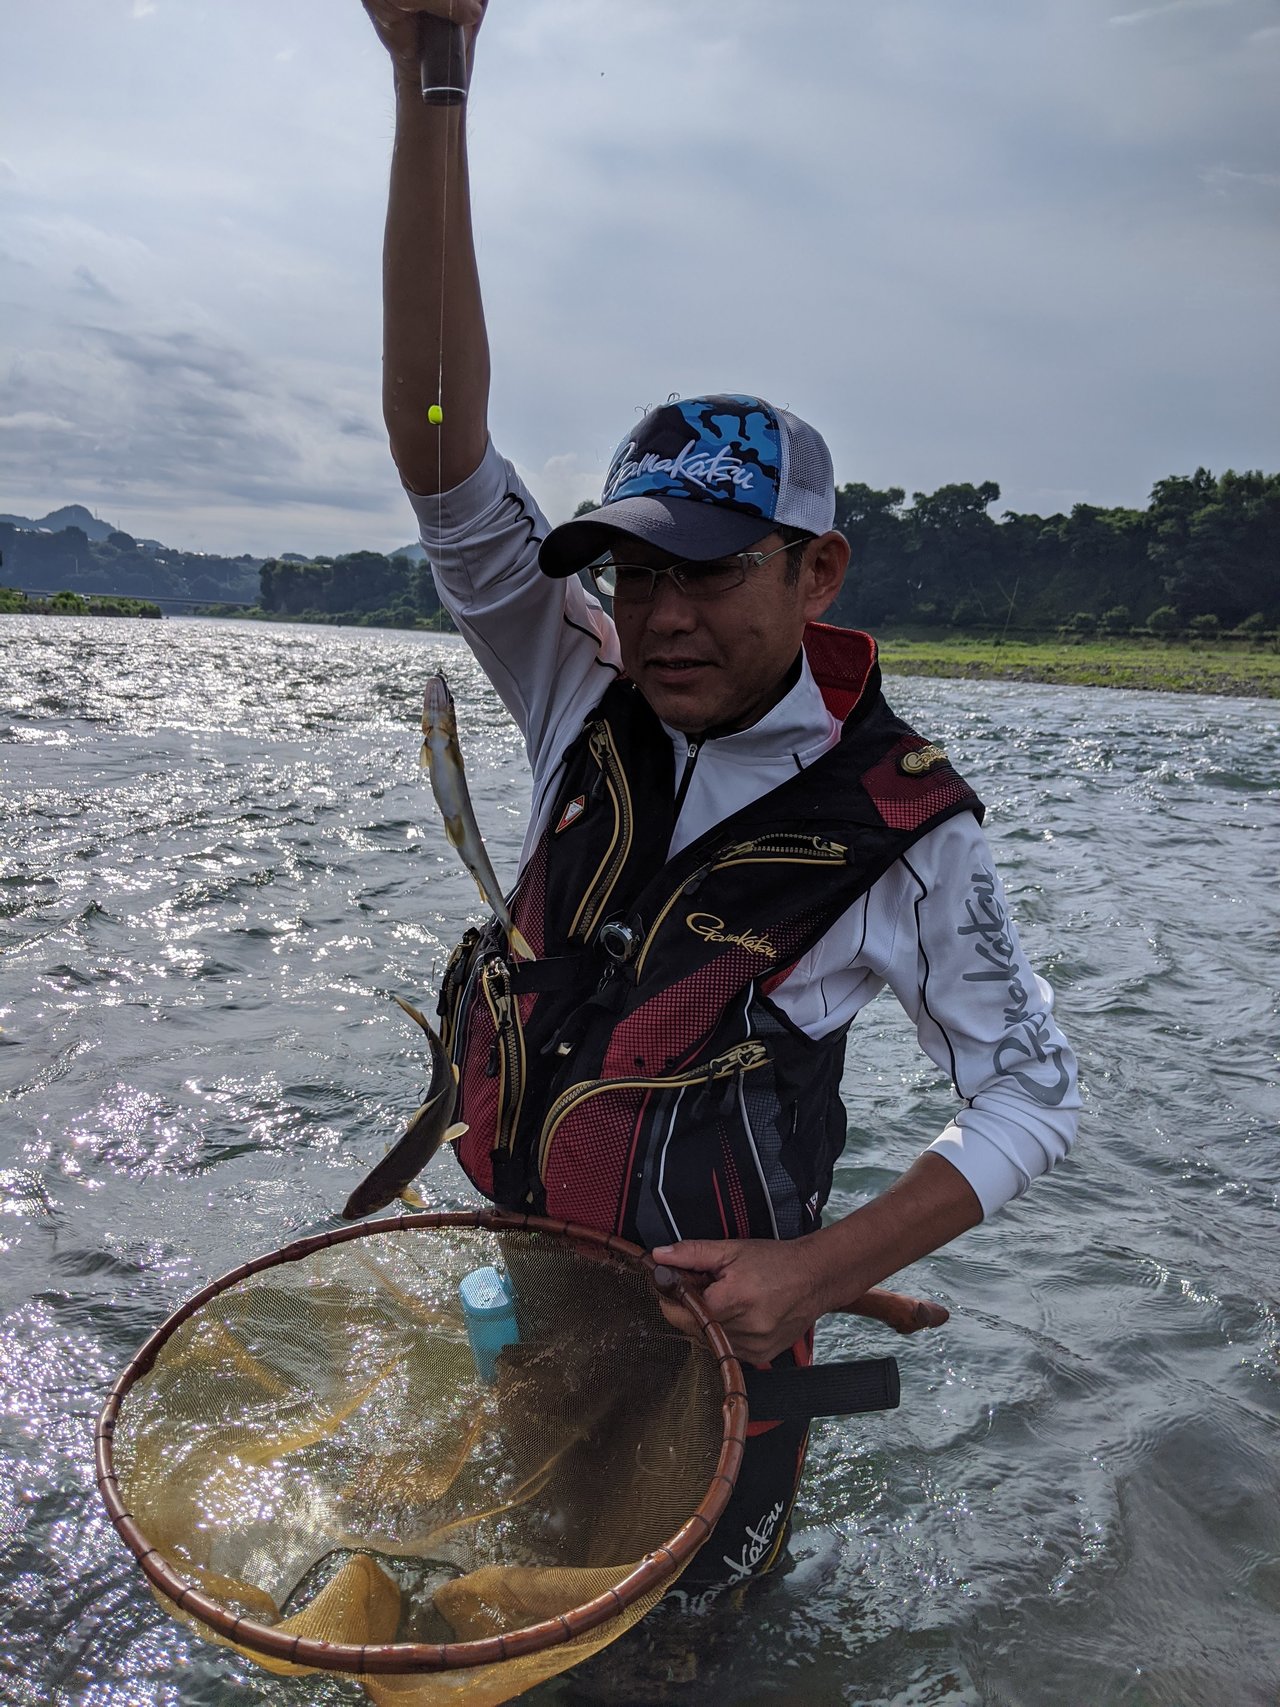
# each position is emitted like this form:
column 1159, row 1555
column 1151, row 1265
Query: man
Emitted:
column 734, row 845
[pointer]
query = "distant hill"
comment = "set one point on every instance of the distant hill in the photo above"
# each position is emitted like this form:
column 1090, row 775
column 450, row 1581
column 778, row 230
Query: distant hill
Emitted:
column 69, row 516
column 71, row 551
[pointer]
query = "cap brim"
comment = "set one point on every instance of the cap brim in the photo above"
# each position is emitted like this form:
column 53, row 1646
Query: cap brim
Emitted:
column 682, row 526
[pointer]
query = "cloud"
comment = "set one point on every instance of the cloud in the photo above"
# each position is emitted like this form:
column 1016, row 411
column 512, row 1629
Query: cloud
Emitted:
column 1034, row 244
column 143, row 9
column 561, row 484
column 90, row 282
column 182, row 360
column 32, row 421
column 1123, row 20
column 1223, row 179
column 170, row 417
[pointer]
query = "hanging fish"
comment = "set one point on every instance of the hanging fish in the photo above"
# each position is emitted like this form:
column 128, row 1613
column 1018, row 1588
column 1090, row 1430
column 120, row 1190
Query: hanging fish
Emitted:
column 427, row 1131
column 442, row 757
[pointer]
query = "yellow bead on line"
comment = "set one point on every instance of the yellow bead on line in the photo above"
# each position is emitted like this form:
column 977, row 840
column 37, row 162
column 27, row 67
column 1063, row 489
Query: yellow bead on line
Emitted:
column 435, row 414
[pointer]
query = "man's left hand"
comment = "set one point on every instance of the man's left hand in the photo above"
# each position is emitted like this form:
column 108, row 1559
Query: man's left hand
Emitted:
column 765, row 1295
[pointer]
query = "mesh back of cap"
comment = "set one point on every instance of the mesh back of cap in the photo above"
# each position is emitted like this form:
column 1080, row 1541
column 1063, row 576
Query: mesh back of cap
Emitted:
column 808, row 484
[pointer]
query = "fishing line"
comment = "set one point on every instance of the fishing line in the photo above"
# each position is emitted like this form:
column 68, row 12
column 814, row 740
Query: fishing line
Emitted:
column 442, row 62
column 444, row 250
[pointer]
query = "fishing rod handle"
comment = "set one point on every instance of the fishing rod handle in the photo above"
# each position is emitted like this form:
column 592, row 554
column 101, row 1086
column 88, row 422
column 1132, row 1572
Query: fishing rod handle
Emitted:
column 442, row 60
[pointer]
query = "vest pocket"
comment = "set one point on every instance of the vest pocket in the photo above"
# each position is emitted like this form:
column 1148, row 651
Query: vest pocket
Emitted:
column 491, row 1091
column 779, row 847
column 599, row 1136
column 453, row 986
column 602, row 885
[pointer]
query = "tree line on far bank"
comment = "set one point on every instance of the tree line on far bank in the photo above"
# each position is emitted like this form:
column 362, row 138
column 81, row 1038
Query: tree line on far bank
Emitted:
column 362, row 587
column 1203, row 555
column 121, row 566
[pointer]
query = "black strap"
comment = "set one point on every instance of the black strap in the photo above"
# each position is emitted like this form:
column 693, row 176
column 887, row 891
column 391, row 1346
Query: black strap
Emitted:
column 560, row 973
column 823, row 1390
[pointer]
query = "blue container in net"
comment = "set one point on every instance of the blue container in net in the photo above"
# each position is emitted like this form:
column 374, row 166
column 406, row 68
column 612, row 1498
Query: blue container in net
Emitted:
column 489, row 1306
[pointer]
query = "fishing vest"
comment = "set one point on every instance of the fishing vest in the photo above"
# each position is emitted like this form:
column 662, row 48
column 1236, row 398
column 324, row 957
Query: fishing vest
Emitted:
column 635, row 1076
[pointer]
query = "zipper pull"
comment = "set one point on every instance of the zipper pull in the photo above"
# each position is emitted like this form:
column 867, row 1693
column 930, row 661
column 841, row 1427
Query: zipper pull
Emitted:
column 502, row 989
column 598, row 745
column 740, row 1059
column 611, row 992
column 497, row 983
column 690, row 759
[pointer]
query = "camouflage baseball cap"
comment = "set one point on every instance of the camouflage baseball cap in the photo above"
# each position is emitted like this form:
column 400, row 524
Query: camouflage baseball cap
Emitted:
column 703, row 477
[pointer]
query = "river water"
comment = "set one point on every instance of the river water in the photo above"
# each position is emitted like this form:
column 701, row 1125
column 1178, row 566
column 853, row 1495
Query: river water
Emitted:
column 218, row 858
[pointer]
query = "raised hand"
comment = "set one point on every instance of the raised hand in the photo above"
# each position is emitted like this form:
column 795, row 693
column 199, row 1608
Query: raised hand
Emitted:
column 397, row 24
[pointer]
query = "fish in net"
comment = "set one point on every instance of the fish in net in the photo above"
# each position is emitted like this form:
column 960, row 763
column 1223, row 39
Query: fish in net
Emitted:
column 336, row 1459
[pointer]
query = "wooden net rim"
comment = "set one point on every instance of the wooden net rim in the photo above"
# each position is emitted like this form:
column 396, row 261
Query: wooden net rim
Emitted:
column 657, row 1568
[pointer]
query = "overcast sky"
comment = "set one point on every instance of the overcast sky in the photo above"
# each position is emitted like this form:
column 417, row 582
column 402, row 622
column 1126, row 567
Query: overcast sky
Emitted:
column 1033, row 241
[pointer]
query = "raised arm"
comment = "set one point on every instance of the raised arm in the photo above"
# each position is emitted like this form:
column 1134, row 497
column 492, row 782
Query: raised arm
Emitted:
column 435, row 348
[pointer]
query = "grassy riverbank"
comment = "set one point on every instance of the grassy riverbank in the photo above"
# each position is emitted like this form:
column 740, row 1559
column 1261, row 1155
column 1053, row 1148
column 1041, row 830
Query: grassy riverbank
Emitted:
column 1247, row 668
column 438, row 622
column 15, row 603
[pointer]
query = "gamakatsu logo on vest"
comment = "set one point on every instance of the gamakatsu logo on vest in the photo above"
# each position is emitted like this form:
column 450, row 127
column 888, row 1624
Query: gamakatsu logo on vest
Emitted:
column 712, row 929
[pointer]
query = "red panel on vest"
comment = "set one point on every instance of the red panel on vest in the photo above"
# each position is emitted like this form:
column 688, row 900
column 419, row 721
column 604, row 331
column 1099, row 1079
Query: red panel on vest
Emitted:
column 586, row 1168
column 905, row 802
column 841, row 660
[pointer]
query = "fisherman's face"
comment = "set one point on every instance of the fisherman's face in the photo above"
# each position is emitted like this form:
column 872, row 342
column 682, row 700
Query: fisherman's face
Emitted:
column 720, row 663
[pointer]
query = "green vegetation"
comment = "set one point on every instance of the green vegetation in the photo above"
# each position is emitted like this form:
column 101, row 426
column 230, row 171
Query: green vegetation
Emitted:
column 121, row 565
column 363, row 587
column 15, row 603
column 439, row 623
column 1198, row 568
column 1205, row 547
column 1242, row 665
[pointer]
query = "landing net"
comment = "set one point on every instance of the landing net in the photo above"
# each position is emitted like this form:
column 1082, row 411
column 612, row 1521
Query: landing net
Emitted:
column 451, row 1455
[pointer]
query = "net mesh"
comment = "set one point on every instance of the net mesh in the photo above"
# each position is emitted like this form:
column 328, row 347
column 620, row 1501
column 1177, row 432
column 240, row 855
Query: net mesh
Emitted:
column 317, row 1449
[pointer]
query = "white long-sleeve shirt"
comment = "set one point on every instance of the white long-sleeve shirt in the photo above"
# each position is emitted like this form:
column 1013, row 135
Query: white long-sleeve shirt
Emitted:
column 935, row 928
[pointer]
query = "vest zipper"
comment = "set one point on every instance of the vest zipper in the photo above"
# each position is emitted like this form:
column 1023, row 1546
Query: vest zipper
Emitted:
column 508, row 1045
column 609, row 870
column 781, row 848
column 742, row 1058
column 449, row 1006
column 691, row 759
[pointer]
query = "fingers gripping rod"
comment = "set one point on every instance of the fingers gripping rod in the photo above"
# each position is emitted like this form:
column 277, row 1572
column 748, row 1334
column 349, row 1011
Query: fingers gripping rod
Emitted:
column 442, row 60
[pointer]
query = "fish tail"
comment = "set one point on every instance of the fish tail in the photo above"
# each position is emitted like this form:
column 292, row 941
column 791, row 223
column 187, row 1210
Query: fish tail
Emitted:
column 414, row 1015
column 519, row 947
